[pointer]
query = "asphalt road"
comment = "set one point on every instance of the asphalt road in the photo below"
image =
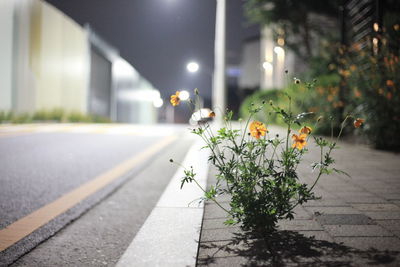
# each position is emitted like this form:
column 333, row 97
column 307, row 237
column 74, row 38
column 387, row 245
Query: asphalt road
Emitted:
column 38, row 168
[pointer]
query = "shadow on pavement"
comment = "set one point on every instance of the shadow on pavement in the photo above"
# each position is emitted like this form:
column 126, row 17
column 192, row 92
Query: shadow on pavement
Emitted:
column 287, row 248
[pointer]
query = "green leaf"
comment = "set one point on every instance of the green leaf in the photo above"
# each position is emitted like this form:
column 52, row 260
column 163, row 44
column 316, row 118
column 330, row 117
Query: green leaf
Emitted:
column 341, row 172
column 230, row 222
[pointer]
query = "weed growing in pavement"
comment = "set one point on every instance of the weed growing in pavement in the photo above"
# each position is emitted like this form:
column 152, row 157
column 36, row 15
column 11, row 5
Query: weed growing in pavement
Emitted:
column 259, row 171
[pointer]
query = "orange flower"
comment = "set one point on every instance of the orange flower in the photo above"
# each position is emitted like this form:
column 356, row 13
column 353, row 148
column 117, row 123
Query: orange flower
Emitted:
column 357, row 93
column 299, row 141
column 358, row 122
column 312, row 109
column 390, row 83
column 257, row 129
column 305, row 130
column 175, row 100
column 211, row 114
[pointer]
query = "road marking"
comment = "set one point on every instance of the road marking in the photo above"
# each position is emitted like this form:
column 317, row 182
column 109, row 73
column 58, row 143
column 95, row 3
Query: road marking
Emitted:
column 106, row 129
column 170, row 235
column 16, row 134
column 28, row 224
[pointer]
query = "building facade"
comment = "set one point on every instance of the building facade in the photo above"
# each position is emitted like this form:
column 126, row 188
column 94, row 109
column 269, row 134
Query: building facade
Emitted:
column 49, row 61
column 265, row 60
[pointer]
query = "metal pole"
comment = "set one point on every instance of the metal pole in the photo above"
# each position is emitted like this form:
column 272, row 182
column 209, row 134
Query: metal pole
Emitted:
column 343, row 41
column 219, row 94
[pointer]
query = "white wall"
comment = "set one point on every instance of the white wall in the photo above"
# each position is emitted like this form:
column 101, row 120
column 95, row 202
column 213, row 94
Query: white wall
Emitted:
column 6, row 53
column 60, row 60
column 251, row 69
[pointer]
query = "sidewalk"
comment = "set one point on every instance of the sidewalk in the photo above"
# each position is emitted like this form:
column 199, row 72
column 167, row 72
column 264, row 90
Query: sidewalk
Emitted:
column 355, row 223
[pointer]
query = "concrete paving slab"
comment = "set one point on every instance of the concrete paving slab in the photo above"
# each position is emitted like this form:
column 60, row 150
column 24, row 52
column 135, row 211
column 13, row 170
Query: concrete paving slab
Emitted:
column 356, row 230
column 383, row 215
column 366, row 243
column 326, row 203
column 299, row 225
column 302, row 213
column 340, row 219
column 317, row 235
column 395, row 196
column 377, row 207
column 332, row 210
column 217, row 223
column 221, row 234
column 222, row 262
column 217, row 249
column 214, row 211
column 365, row 200
column 392, row 225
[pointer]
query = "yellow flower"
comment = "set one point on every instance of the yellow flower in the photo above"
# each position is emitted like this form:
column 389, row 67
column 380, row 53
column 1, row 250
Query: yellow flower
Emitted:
column 358, row 122
column 175, row 100
column 211, row 114
column 299, row 141
column 257, row 129
column 305, row 130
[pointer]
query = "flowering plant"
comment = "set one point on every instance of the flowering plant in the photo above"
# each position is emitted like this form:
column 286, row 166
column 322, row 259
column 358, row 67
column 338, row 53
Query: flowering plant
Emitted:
column 259, row 171
column 374, row 77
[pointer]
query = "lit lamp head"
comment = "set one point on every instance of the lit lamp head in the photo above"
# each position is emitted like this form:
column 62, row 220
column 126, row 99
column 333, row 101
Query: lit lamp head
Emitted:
column 192, row 67
column 184, row 95
column 158, row 102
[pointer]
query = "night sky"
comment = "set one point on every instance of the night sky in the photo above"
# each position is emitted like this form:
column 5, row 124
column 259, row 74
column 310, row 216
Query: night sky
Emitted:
column 158, row 37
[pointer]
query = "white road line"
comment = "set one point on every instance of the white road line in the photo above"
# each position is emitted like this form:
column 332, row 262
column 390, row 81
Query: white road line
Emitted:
column 170, row 235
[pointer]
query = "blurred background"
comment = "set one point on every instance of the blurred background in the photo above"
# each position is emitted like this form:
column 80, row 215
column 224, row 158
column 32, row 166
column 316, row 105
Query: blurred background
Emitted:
column 119, row 61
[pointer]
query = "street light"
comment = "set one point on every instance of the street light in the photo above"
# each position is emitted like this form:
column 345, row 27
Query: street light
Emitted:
column 192, row 66
column 219, row 83
column 280, row 63
column 184, row 95
column 158, row 102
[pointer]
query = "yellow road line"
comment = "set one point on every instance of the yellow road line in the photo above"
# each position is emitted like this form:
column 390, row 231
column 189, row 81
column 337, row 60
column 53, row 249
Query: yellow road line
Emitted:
column 26, row 225
column 12, row 134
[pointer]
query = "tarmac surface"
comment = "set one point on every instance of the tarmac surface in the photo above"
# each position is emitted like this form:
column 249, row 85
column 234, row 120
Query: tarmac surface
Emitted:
column 100, row 236
column 43, row 164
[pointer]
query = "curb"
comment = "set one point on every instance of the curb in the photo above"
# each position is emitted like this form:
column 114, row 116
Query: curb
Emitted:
column 170, row 235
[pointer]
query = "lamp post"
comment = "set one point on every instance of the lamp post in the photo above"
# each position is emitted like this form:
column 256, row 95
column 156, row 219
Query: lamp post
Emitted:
column 219, row 83
column 218, row 77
